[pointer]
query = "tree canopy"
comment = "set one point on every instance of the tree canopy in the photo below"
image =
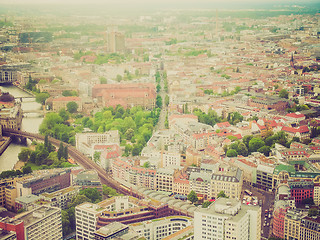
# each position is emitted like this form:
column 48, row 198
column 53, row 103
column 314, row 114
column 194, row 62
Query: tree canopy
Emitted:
column 192, row 197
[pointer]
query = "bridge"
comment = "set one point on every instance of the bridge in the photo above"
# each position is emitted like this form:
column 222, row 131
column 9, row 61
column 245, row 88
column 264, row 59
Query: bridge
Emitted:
column 87, row 163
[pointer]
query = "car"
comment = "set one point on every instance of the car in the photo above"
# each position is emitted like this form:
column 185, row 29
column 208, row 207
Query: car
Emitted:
column 266, row 211
column 264, row 224
column 268, row 224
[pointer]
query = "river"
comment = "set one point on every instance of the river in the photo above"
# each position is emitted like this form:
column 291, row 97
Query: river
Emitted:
column 30, row 123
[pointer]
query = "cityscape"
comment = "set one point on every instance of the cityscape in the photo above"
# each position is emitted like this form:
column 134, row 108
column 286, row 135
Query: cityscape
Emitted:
column 151, row 120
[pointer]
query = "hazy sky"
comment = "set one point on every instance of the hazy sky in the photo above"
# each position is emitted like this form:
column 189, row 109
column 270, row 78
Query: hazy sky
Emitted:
column 134, row 5
column 150, row 1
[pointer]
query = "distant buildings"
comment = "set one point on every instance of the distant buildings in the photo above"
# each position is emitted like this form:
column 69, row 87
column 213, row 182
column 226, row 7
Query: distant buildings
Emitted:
column 115, row 41
column 126, row 95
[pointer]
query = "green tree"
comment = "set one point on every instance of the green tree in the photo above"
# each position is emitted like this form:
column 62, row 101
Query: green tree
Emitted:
column 42, row 97
column 129, row 134
column 246, row 140
column 284, row 94
column 103, row 80
column 265, row 150
column 64, row 114
column 96, row 157
column 255, row 144
column 242, row 149
column 26, row 169
column 159, row 101
column 24, row 154
column 158, row 88
column 146, row 164
column 222, row 194
column 313, row 212
column 136, row 150
column 206, row 204
column 92, row 193
column 72, row 107
column 166, row 100
column 119, row 78
column 232, row 153
column 192, row 197
column 60, row 151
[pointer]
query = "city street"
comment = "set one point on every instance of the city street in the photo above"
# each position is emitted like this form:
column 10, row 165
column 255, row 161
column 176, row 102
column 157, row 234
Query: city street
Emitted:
column 267, row 204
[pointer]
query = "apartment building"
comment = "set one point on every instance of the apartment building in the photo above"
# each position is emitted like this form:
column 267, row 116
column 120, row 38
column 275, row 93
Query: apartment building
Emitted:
column 86, row 141
column 43, row 222
column 180, row 184
column 123, row 209
column 126, row 170
column 164, row 179
column 301, row 189
column 227, row 219
column 200, row 183
column 226, row 179
column 111, row 231
column 86, row 216
column 292, row 221
column 88, row 179
column 310, row 228
column 161, row 228
column 316, row 191
column 43, row 181
column 264, row 177
column 27, row 202
column 62, row 197
column 170, row 159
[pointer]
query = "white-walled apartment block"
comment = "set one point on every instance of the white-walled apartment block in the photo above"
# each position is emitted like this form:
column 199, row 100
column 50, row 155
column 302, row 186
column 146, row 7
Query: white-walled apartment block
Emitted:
column 42, row 223
column 162, row 228
column 84, row 141
column 86, row 216
column 227, row 219
column 171, row 159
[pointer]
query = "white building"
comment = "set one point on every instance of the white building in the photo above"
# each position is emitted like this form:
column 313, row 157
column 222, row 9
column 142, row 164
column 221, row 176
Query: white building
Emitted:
column 85, row 141
column 161, row 228
column 86, row 215
column 42, row 223
column 227, row 219
column 170, row 159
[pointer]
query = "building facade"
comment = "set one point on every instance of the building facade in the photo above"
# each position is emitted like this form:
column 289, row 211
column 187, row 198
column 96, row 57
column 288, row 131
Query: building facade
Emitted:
column 227, row 219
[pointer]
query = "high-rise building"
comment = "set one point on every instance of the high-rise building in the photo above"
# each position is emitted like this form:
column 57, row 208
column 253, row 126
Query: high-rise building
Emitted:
column 115, row 40
column 227, row 219
column 41, row 223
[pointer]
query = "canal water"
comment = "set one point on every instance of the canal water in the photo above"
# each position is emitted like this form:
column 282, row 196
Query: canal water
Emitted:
column 30, row 123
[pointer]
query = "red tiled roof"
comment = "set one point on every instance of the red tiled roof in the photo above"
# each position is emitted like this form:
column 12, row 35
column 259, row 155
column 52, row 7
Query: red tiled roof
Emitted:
column 223, row 124
column 301, row 129
column 294, row 115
